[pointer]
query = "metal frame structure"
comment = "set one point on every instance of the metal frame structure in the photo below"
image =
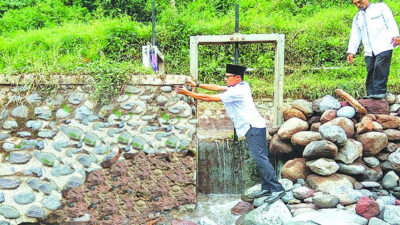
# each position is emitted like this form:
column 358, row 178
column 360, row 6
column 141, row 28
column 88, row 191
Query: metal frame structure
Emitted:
column 277, row 39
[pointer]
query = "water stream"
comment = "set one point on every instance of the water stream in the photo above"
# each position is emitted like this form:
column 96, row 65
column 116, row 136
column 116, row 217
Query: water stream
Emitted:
column 214, row 209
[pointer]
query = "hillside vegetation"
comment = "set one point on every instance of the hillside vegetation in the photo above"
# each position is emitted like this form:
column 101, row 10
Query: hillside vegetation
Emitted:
column 98, row 36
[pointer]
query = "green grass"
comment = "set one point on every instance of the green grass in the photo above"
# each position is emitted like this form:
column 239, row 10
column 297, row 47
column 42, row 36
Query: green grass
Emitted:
column 98, row 38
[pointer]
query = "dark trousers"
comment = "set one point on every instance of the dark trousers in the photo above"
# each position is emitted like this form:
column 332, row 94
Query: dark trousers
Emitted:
column 256, row 140
column 378, row 67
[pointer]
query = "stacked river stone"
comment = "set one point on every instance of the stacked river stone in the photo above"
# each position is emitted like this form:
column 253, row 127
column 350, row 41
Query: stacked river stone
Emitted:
column 342, row 166
column 49, row 145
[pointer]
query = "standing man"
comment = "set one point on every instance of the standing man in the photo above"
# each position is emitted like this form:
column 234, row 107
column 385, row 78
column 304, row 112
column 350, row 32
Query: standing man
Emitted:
column 239, row 105
column 376, row 27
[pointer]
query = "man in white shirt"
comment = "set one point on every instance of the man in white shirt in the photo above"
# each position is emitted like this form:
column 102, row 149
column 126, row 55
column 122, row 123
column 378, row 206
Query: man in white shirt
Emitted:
column 374, row 26
column 240, row 107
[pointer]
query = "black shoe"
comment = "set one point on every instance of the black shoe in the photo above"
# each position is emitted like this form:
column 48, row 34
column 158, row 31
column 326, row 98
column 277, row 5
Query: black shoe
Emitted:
column 378, row 96
column 367, row 97
column 261, row 193
column 274, row 196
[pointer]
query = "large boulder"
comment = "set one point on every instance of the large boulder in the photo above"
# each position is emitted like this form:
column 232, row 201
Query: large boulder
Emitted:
column 346, row 195
column 390, row 98
column 346, row 111
column 268, row 214
column 326, row 184
column 303, row 105
column 333, row 133
column 392, row 147
column 392, row 134
column 366, row 125
column 291, row 113
column 376, row 221
column 346, row 124
column 318, row 149
column 299, row 208
column 328, row 115
column 279, row 146
column 323, row 166
column 388, row 121
column 371, row 161
column 375, row 106
column 393, row 108
column 295, row 169
column 391, row 214
column 291, row 127
column 315, row 126
column 373, row 142
column 326, row 103
column 350, row 151
column 331, row 217
column 303, row 138
column 367, row 207
column 313, row 119
column 249, row 192
column 352, row 169
column 325, row 200
column 377, row 126
column 372, row 174
column 241, row 208
column 303, row 192
column 392, row 162
column 390, row 180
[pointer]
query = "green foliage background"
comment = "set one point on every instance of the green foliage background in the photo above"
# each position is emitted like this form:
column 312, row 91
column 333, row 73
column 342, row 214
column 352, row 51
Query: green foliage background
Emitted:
column 99, row 36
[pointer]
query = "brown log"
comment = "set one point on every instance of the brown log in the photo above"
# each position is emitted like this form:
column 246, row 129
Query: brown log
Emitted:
column 352, row 101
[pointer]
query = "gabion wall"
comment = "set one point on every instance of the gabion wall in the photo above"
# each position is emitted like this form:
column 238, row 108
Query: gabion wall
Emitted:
column 66, row 154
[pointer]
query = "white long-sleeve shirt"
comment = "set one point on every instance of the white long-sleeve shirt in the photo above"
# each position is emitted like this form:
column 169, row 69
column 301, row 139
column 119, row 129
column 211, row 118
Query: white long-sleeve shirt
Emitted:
column 375, row 27
column 241, row 109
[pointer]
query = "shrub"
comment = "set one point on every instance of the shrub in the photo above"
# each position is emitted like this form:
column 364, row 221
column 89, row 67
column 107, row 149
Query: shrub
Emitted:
column 43, row 14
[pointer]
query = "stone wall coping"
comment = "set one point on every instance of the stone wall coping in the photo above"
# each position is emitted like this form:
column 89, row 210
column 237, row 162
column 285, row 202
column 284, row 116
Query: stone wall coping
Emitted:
column 83, row 79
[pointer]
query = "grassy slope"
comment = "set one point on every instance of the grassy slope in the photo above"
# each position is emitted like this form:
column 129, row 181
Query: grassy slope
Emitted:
column 316, row 36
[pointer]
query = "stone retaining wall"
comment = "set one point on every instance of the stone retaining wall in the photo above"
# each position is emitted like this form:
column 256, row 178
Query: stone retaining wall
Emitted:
column 215, row 123
column 95, row 162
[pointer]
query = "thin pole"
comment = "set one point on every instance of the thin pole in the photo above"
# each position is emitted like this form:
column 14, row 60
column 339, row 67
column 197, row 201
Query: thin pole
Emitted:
column 153, row 22
column 236, row 31
column 235, row 137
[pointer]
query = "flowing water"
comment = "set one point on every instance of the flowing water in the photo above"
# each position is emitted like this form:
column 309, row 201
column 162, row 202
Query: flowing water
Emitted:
column 214, row 209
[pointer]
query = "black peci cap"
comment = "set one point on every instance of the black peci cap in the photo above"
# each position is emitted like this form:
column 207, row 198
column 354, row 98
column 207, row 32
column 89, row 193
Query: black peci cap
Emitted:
column 235, row 69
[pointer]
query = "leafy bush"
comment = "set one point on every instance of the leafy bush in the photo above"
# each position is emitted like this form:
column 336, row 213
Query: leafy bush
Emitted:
column 139, row 10
column 6, row 5
column 48, row 13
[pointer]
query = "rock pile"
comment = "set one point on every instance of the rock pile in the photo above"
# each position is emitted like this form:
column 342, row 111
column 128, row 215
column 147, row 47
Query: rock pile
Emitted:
column 344, row 163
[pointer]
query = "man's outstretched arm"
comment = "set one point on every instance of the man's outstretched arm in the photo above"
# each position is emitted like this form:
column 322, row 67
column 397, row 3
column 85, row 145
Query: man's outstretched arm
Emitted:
column 202, row 97
column 211, row 87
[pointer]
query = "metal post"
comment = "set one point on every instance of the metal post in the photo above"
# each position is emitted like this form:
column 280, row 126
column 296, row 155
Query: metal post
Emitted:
column 236, row 31
column 235, row 137
column 153, row 22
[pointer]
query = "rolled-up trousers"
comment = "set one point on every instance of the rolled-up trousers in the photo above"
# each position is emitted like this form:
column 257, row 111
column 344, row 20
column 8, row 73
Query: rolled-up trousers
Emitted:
column 378, row 67
column 257, row 143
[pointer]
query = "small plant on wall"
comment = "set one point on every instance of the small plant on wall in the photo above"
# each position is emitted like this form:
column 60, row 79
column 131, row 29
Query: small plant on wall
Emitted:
column 107, row 83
